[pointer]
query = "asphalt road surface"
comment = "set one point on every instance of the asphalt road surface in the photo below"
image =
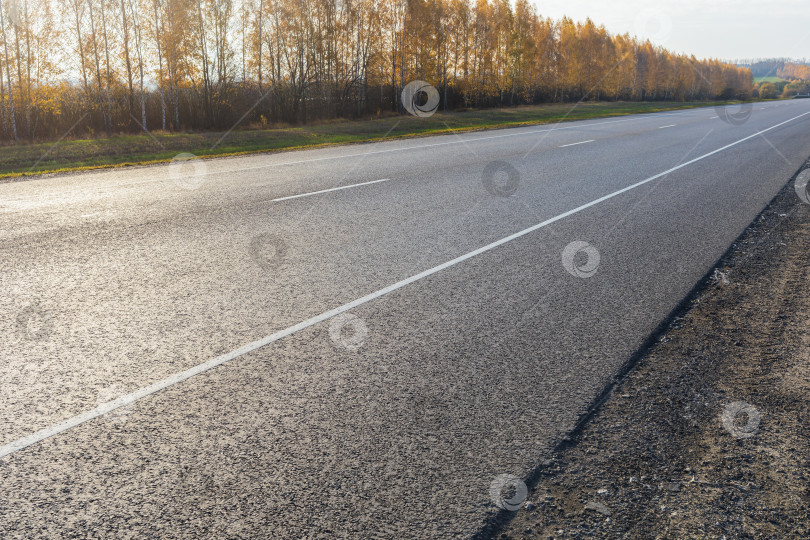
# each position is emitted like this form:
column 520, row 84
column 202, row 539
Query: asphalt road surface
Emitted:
column 235, row 348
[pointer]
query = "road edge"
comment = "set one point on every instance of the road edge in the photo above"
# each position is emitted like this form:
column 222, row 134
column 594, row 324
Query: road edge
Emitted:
column 495, row 524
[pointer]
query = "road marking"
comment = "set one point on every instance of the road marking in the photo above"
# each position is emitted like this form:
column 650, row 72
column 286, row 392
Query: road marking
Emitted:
column 417, row 147
column 671, row 125
column 635, row 117
column 105, row 408
column 328, row 190
column 576, row 143
column 713, row 117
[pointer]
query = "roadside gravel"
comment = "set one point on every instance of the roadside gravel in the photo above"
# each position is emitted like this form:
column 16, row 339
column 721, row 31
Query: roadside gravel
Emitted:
column 708, row 436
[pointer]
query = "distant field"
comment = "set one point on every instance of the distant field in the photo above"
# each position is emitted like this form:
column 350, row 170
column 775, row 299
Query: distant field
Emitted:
column 768, row 79
column 26, row 159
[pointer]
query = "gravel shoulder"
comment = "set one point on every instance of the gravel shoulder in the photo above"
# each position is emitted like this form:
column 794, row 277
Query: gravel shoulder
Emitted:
column 708, row 435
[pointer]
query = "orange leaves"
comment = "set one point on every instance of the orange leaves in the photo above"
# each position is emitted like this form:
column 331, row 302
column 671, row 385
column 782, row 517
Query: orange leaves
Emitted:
column 206, row 62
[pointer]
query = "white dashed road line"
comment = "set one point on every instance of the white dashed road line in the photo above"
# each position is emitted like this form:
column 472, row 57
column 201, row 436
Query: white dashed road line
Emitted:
column 123, row 401
column 576, row 143
column 328, row 190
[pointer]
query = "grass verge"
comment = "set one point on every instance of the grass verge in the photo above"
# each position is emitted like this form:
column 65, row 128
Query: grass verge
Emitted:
column 124, row 150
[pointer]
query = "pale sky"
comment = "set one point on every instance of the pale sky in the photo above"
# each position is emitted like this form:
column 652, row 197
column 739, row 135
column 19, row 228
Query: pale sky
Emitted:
column 725, row 29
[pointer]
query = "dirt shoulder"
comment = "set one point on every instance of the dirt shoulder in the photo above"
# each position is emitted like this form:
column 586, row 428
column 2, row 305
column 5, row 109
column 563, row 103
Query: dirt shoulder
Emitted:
column 659, row 459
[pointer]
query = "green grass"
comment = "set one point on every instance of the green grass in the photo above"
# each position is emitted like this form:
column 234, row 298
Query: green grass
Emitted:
column 768, row 79
column 122, row 150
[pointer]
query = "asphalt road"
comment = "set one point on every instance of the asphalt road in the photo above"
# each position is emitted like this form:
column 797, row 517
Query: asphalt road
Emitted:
column 360, row 362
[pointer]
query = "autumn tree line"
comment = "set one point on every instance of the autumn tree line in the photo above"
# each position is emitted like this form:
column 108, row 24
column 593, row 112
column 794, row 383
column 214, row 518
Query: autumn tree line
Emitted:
column 794, row 72
column 781, row 89
column 795, row 75
column 784, row 68
column 95, row 67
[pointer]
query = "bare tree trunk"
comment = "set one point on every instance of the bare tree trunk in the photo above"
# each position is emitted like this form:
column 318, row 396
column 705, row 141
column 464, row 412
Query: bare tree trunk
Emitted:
column 259, row 52
column 127, row 61
column 16, row 24
column 98, row 64
column 160, row 67
column 3, row 102
column 8, row 74
column 139, row 48
column 28, row 59
column 171, row 65
column 76, row 4
column 109, row 76
column 205, row 67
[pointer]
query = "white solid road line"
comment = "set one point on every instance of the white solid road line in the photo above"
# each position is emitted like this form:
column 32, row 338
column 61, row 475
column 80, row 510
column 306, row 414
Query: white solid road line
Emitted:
column 669, row 126
column 576, row 143
column 105, row 408
column 328, row 190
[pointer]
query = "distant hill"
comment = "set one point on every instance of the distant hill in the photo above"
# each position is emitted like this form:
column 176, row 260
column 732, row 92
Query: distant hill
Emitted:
column 777, row 68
